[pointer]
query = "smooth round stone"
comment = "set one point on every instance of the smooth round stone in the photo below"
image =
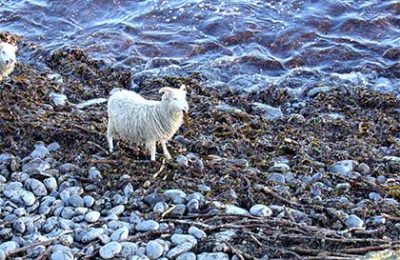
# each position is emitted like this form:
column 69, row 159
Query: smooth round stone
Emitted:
column 36, row 165
column 193, row 206
column 279, row 167
column 343, row 187
column 62, row 255
column 179, row 210
column 128, row 249
column 377, row 220
column 374, row 196
column 119, row 199
column 234, row 210
column 343, row 167
column 363, row 168
column 147, row 225
column 154, row 250
column 177, row 196
column 94, row 174
column 197, row 232
column 28, row 198
column 110, row 250
column 75, row 201
column 9, row 246
column 354, row 221
column 2, row 255
column 128, row 190
column 36, row 251
column 53, row 147
column 68, row 168
column 178, row 239
column 260, row 210
column 203, row 188
column 50, row 184
column 68, row 213
column 197, row 196
column 225, row 235
column 11, row 187
column 160, row 207
column 187, row 256
column 81, row 210
column 20, row 212
column 3, row 179
column 179, row 250
column 92, row 216
column 118, row 210
column 381, row 179
column 19, row 226
column 213, row 256
column 40, row 151
column 120, row 234
column 88, row 201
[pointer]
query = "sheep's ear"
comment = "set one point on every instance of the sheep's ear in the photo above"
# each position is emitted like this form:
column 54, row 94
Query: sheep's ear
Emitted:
column 183, row 88
column 167, row 91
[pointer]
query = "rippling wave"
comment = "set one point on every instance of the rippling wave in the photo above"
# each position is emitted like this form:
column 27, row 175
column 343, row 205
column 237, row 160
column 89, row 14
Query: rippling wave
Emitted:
column 246, row 45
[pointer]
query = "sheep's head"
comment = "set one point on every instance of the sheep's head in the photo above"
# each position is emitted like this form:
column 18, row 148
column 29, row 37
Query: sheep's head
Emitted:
column 175, row 98
column 7, row 54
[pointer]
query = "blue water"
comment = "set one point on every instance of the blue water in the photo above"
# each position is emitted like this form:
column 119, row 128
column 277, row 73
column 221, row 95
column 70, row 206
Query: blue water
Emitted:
column 242, row 45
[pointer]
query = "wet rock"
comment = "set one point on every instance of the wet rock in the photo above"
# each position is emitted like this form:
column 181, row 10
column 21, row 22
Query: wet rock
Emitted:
column 213, row 256
column 343, row 167
column 120, row 234
column 260, row 210
column 178, row 239
column 177, row 196
column 75, row 201
column 128, row 249
column 179, row 250
column 62, row 255
column 235, row 210
column 154, row 250
column 354, row 221
column 92, row 216
column 27, row 198
column 68, row 213
column 147, row 225
column 68, row 168
column 110, row 250
column 269, row 112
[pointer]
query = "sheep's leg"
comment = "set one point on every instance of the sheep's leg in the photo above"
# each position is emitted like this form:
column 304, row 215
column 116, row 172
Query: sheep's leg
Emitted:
column 151, row 146
column 110, row 136
column 165, row 150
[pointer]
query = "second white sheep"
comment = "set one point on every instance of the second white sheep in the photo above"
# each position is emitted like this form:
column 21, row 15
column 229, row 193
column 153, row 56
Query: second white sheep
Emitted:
column 8, row 59
column 142, row 121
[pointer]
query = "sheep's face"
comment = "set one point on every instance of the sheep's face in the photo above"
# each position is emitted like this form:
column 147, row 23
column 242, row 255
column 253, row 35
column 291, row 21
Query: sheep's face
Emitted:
column 176, row 99
column 7, row 55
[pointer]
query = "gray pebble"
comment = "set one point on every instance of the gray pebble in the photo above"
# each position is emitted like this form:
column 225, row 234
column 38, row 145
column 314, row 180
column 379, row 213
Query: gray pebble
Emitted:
column 154, row 250
column 178, row 239
column 3, row 179
column 277, row 177
column 225, row 235
column 2, row 255
column 363, row 168
column 377, row 220
column 19, row 226
column 153, row 199
column 68, row 213
column 128, row 249
column 235, row 210
column 269, row 112
column 120, row 234
column 177, row 196
column 147, row 225
column 91, row 235
column 110, row 250
column 160, row 207
column 88, row 201
column 36, row 166
column 50, row 184
column 53, row 147
column 40, row 151
column 197, row 233
column 94, row 174
column 182, row 161
column 374, row 196
column 62, row 255
column 197, row 196
column 193, row 206
column 92, row 216
column 213, row 256
column 20, row 212
column 279, row 167
column 68, row 168
column 187, row 256
column 128, row 190
column 118, row 210
column 343, row 167
column 179, row 250
column 260, row 210
column 203, row 188
column 343, row 187
column 28, row 198
column 8, row 246
column 179, row 210
column 354, row 221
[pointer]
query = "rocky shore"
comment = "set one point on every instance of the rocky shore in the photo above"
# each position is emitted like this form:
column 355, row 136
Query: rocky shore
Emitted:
column 257, row 175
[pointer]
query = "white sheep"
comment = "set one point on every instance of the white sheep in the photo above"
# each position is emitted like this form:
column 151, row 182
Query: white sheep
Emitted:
column 142, row 121
column 7, row 59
